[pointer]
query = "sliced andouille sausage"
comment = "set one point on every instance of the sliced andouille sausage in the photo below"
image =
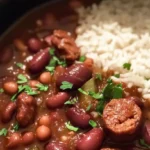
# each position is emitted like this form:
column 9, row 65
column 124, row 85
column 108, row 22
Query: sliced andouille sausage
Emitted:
column 91, row 140
column 56, row 146
column 57, row 100
column 122, row 119
column 26, row 108
column 39, row 61
column 77, row 74
column 78, row 117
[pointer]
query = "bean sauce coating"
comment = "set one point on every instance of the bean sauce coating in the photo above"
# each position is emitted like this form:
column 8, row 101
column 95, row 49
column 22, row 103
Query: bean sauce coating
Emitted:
column 26, row 108
column 122, row 118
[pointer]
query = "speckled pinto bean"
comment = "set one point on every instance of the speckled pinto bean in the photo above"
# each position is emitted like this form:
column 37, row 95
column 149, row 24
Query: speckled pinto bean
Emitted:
column 39, row 61
column 26, row 107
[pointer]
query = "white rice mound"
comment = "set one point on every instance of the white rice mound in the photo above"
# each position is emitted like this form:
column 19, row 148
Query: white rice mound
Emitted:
column 117, row 32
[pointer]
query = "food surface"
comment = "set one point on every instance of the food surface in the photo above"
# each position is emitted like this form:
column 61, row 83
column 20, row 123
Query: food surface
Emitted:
column 56, row 90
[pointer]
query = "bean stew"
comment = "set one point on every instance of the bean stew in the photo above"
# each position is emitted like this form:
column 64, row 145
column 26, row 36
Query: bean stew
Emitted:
column 52, row 98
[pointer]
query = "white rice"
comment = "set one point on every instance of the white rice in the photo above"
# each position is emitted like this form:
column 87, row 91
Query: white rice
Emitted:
column 117, row 32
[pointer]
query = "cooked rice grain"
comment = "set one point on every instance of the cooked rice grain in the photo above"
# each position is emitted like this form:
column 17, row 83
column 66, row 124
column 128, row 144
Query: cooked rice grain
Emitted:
column 117, row 32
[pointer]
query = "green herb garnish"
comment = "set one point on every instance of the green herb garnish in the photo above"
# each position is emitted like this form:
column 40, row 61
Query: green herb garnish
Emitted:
column 21, row 79
column 50, row 69
column 98, row 77
column 100, row 107
column 88, row 108
column 127, row 66
column 95, row 95
column 20, row 65
column 16, row 126
column 82, row 58
column 142, row 143
column 66, row 85
column 70, row 127
column 3, row 132
column 42, row 87
column 52, row 51
column 117, row 75
column 82, row 91
column 1, row 90
column 60, row 62
column 93, row 123
column 71, row 102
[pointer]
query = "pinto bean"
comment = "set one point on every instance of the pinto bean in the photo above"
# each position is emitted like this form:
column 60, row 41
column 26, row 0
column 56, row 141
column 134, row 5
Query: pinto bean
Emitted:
column 137, row 100
column 10, row 87
column 78, row 117
column 45, row 78
column 34, row 45
column 56, row 146
column 39, row 61
column 43, row 133
column 26, row 107
column 122, row 118
column 28, row 138
column 6, row 55
column 8, row 112
column 45, row 120
column 92, row 140
column 77, row 74
column 14, row 140
column 146, row 132
column 57, row 100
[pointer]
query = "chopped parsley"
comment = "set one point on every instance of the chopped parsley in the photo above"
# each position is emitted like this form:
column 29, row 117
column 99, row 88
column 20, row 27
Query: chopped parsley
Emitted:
column 93, row 123
column 82, row 91
column 142, row 143
column 82, row 58
column 98, row 77
column 3, row 132
column 50, row 69
column 21, row 79
column 117, row 75
column 71, row 102
column 70, row 127
column 66, row 85
column 16, row 126
column 59, row 62
column 1, row 90
column 20, row 65
column 52, row 51
column 100, row 107
column 127, row 66
column 42, row 87
column 88, row 108
column 95, row 95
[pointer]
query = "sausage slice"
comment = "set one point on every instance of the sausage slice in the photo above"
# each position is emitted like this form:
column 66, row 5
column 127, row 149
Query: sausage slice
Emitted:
column 122, row 119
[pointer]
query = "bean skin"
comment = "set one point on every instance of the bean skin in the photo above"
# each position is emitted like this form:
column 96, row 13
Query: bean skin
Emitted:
column 34, row 45
column 146, row 132
column 8, row 112
column 28, row 138
column 56, row 146
column 39, row 61
column 57, row 100
column 14, row 140
column 45, row 120
column 45, row 77
column 78, row 118
column 92, row 140
column 77, row 74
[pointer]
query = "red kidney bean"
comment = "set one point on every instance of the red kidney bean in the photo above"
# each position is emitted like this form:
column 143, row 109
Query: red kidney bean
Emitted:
column 14, row 140
column 8, row 112
column 39, row 61
column 57, row 100
column 6, row 55
column 34, row 45
column 78, row 117
column 92, row 140
column 28, row 138
column 146, row 132
column 77, row 74
column 26, row 108
column 56, row 146
column 137, row 100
